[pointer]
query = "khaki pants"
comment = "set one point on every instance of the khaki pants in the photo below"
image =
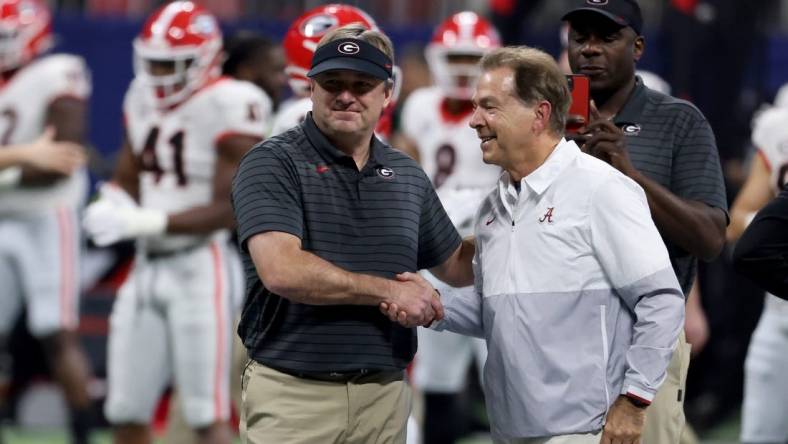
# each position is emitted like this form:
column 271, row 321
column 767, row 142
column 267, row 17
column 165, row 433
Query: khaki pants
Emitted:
column 585, row 438
column 283, row 409
column 665, row 417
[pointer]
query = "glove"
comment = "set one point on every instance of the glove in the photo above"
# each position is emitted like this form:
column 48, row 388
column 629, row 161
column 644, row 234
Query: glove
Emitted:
column 10, row 177
column 112, row 192
column 108, row 220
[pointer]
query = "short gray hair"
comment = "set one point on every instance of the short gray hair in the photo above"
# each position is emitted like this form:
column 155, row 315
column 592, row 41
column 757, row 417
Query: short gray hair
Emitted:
column 536, row 77
column 360, row 32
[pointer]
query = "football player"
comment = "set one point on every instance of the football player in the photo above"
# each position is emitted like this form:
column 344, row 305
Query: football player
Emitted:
column 765, row 390
column 186, row 131
column 39, row 233
column 250, row 57
column 256, row 59
column 300, row 42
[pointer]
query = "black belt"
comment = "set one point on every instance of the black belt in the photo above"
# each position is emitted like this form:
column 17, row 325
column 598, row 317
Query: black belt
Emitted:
column 154, row 255
column 339, row 377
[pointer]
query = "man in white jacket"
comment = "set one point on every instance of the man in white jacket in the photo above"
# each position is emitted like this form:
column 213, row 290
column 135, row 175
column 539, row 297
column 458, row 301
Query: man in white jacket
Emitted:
column 575, row 294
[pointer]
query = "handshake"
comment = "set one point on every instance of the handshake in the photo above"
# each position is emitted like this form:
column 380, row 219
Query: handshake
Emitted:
column 413, row 302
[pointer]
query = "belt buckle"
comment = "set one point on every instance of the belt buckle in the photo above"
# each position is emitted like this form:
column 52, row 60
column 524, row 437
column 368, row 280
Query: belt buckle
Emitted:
column 333, row 376
column 346, row 376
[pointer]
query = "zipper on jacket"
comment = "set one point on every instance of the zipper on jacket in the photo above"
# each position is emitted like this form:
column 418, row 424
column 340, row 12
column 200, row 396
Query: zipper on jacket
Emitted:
column 605, row 351
column 511, row 260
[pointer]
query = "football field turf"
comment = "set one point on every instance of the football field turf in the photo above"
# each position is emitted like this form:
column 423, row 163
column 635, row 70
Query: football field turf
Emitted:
column 726, row 433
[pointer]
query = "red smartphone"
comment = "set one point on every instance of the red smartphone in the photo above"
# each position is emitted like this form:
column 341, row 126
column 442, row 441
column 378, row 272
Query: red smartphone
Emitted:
column 579, row 87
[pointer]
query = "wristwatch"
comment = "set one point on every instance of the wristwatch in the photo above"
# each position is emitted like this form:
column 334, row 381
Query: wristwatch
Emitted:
column 637, row 401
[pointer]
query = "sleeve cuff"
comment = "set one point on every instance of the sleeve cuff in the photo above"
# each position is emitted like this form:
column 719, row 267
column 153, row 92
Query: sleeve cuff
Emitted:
column 437, row 325
column 443, row 323
column 638, row 394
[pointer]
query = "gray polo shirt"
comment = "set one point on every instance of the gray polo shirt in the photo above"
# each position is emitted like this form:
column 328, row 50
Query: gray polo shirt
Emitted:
column 671, row 142
column 382, row 220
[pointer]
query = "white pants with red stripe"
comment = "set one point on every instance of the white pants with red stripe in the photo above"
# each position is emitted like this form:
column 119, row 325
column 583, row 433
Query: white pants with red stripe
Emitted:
column 39, row 257
column 765, row 406
column 172, row 320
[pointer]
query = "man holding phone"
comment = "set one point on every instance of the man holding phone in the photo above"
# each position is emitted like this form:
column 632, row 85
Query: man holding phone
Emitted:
column 581, row 102
column 662, row 143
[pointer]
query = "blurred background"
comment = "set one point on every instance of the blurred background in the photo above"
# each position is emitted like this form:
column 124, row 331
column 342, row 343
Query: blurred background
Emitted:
column 726, row 56
column 729, row 57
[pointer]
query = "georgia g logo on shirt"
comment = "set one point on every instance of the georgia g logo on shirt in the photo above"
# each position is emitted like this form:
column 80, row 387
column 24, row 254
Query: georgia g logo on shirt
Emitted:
column 632, row 129
column 385, row 172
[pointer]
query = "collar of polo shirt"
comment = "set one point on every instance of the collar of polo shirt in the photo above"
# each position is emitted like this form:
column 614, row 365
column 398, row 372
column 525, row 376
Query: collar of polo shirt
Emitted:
column 325, row 147
column 541, row 178
column 632, row 111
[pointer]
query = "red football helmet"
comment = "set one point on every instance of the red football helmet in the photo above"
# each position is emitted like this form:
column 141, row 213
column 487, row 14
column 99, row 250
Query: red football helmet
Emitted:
column 186, row 40
column 462, row 34
column 25, row 32
column 304, row 34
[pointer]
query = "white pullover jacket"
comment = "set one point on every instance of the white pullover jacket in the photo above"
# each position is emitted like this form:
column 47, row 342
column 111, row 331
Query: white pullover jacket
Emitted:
column 575, row 296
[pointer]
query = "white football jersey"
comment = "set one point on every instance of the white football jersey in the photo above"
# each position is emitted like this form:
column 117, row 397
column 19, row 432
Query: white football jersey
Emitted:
column 177, row 147
column 449, row 149
column 770, row 136
column 24, row 102
column 291, row 114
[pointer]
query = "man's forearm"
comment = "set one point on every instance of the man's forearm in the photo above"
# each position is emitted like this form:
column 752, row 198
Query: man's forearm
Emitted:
column 202, row 220
column 457, row 270
column 740, row 218
column 35, row 177
column 694, row 226
column 306, row 278
column 13, row 156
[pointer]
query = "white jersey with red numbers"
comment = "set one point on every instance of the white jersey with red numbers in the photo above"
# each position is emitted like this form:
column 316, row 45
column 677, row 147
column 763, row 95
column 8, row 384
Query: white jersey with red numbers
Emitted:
column 451, row 156
column 770, row 136
column 177, row 147
column 448, row 147
column 24, row 102
column 291, row 114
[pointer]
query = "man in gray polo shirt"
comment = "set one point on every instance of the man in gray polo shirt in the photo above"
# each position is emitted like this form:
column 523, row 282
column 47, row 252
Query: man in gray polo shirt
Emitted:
column 666, row 146
column 328, row 219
